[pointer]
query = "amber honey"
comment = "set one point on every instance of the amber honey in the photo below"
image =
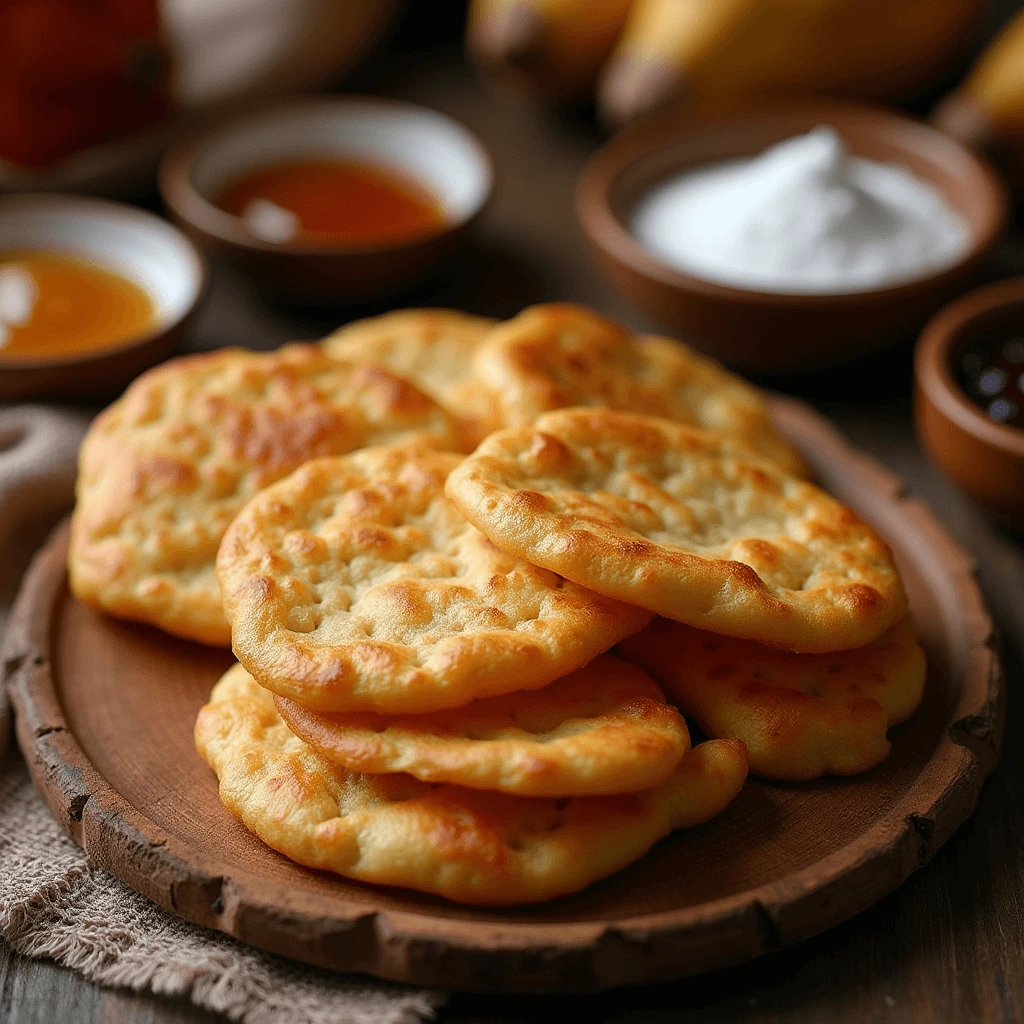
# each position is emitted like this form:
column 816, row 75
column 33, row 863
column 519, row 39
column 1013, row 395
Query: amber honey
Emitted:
column 335, row 202
column 53, row 306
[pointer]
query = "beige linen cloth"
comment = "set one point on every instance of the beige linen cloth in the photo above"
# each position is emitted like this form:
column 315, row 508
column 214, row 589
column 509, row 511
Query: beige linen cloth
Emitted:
column 54, row 904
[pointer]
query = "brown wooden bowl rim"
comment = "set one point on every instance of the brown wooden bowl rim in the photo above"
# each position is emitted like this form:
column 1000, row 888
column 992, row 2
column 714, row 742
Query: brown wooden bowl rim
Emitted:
column 174, row 179
column 29, row 199
column 934, row 372
column 608, row 233
column 904, row 835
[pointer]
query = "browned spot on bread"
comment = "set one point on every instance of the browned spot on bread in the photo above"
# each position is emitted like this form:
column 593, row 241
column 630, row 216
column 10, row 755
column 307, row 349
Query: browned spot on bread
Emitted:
column 633, row 547
column 745, row 575
column 547, row 452
column 407, row 601
column 764, row 551
column 161, row 473
column 372, row 538
column 259, row 589
column 862, row 598
column 303, row 544
column 529, row 501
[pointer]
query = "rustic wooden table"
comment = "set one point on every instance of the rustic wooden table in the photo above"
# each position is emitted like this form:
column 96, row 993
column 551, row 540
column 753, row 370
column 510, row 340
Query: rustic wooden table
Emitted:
column 949, row 945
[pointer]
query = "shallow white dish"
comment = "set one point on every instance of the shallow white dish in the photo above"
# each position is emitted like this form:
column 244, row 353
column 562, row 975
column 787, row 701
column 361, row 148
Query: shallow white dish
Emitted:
column 126, row 240
column 417, row 142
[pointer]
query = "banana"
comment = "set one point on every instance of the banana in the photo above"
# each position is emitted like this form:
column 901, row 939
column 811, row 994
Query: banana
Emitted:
column 557, row 45
column 702, row 48
column 987, row 111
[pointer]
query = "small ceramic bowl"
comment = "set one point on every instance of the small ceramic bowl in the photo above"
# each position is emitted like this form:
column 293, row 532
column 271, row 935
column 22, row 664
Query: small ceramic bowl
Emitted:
column 417, row 142
column 762, row 331
column 128, row 241
column 982, row 457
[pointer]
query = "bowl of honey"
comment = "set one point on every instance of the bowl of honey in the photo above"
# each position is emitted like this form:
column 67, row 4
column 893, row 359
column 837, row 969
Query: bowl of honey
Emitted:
column 92, row 292
column 332, row 198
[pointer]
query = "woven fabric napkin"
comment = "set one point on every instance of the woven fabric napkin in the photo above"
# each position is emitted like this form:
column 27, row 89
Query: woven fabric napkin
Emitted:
column 54, row 904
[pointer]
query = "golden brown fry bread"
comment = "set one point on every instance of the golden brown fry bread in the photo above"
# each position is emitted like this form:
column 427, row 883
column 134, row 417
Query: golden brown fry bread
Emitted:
column 800, row 715
column 464, row 844
column 355, row 585
column 692, row 525
column 433, row 349
column 558, row 355
column 602, row 729
column 165, row 469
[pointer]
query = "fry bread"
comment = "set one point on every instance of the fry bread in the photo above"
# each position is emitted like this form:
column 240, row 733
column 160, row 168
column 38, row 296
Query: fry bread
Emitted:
column 800, row 715
column 602, row 729
column 463, row 844
column 692, row 525
column 557, row 355
column 433, row 349
column 355, row 585
column 166, row 468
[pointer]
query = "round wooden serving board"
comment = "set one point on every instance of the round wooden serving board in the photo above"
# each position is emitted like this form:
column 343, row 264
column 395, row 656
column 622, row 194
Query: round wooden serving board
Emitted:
column 105, row 712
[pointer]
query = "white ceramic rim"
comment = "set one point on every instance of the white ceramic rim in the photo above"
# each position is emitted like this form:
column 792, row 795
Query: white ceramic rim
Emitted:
column 425, row 144
column 137, row 244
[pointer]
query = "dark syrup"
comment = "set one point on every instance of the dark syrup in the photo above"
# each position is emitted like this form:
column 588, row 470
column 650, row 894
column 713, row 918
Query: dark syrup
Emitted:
column 992, row 376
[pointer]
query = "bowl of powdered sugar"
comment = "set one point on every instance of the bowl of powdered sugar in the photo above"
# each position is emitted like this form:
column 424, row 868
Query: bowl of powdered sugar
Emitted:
column 789, row 234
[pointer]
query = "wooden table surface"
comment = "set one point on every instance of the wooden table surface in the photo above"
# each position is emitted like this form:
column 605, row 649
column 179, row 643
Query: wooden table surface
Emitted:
column 949, row 945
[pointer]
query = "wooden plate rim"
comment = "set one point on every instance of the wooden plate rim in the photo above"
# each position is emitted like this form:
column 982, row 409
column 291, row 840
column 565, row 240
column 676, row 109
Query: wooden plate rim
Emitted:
column 514, row 956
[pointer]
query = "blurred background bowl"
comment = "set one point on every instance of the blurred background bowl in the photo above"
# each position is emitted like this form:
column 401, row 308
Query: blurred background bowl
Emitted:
column 126, row 240
column 764, row 332
column 982, row 457
column 214, row 55
column 422, row 144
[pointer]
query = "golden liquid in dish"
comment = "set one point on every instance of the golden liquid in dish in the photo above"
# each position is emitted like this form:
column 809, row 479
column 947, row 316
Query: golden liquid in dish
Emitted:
column 54, row 305
column 340, row 203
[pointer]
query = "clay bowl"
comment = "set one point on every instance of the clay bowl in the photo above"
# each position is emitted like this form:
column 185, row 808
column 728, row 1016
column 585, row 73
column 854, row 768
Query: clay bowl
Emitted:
column 765, row 332
column 418, row 142
column 131, row 242
column 982, row 457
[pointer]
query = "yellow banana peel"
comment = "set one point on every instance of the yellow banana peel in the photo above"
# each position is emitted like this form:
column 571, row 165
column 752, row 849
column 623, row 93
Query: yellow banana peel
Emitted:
column 995, row 85
column 557, row 45
column 987, row 111
column 707, row 48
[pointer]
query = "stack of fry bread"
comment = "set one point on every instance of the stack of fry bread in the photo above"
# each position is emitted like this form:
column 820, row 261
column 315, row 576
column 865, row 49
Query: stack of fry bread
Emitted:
column 481, row 579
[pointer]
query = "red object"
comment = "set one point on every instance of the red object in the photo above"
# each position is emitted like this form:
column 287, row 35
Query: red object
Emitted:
column 77, row 72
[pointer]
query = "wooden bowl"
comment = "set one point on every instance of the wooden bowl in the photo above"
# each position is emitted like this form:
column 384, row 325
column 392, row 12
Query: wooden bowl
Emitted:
column 423, row 144
column 982, row 457
column 129, row 241
column 765, row 332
